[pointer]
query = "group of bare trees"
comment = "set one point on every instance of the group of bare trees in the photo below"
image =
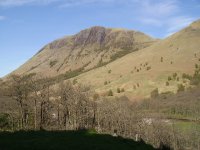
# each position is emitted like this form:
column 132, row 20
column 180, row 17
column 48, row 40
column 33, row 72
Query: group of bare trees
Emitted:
column 64, row 106
column 43, row 106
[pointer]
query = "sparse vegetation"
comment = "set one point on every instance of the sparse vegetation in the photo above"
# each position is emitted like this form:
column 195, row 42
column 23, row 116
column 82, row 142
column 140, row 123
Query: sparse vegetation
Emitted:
column 96, row 96
column 110, row 93
column 174, row 75
column 169, row 78
column 161, row 59
column 186, row 76
column 196, row 66
column 181, row 88
column 53, row 63
column 148, row 68
column 138, row 85
column 118, row 90
column 74, row 81
column 154, row 93
column 74, row 73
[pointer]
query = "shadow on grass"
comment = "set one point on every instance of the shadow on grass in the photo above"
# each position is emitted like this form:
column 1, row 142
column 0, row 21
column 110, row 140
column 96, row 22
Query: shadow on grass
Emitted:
column 66, row 140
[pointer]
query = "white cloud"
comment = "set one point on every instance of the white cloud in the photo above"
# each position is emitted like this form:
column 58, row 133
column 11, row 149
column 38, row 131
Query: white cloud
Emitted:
column 71, row 3
column 166, row 14
column 2, row 18
column 177, row 23
column 158, row 8
column 11, row 3
column 154, row 12
column 8, row 3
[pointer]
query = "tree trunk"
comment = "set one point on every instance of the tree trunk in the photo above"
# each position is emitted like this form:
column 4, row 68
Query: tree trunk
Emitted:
column 35, row 115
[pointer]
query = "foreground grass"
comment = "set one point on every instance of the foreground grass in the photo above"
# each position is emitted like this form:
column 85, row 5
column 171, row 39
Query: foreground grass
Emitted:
column 70, row 140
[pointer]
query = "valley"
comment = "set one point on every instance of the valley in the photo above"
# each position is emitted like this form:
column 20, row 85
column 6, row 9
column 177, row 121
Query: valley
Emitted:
column 113, row 81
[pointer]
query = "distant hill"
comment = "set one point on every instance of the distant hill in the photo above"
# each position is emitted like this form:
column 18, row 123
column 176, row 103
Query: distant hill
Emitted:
column 141, row 72
column 67, row 140
column 86, row 50
column 127, row 62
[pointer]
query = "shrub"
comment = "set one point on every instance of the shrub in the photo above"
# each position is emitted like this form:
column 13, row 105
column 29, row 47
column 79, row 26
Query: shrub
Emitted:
column 161, row 59
column 181, row 88
column 148, row 68
column 196, row 66
column 118, row 90
column 171, row 62
column 154, row 93
column 138, row 70
column 106, row 82
column 96, row 96
column 75, row 81
column 174, row 75
column 134, row 87
column 4, row 121
column 186, row 76
column 167, row 83
column 195, row 80
column 52, row 63
column 74, row 73
column 169, row 78
column 122, row 90
column 177, row 79
column 109, row 71
column 110, row 93
column 138, row 85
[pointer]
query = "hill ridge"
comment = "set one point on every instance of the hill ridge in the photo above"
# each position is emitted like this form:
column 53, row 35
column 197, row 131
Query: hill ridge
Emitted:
column 85, row 50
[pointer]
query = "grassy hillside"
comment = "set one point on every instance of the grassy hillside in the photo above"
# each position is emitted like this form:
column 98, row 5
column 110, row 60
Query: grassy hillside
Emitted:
column 86, row 50
column 141, row 72
column 70, row 140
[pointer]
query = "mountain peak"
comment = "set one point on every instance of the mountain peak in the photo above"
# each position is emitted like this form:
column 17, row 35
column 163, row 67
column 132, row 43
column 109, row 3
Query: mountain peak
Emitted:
column 92, row 35
column 85, row 50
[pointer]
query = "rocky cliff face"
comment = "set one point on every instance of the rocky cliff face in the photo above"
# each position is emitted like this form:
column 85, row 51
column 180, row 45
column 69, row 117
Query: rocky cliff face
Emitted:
column 86, row 50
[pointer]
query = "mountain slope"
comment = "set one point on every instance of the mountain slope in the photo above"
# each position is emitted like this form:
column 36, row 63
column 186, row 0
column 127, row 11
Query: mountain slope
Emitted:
column 88, row 49
column 142, row 71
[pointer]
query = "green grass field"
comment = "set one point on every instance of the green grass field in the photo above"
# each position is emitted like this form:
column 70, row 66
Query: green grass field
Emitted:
column 69, row 140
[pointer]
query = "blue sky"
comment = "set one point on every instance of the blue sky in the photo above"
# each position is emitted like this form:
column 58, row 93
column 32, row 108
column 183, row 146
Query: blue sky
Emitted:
column 27, row 25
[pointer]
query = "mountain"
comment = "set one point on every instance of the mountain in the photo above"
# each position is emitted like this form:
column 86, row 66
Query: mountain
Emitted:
column 84, row 51
column 113, row 59
column 141, row 72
